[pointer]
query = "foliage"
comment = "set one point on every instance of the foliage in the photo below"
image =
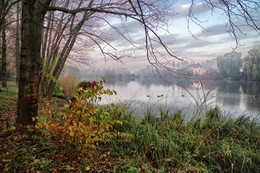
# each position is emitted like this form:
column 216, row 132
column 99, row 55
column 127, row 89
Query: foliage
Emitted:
column 164, row 142
column 252, row 64
column 67, row 85
column 83, row 122
column 216, row 144
column 229, row 65
column 160, row 144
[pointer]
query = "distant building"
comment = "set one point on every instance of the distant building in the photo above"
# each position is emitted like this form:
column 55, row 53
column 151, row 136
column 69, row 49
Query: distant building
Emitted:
column 210, row 64
column 197, row 69
column 197, row 65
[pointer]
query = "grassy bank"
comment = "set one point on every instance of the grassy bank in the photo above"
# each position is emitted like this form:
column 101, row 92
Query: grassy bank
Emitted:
column 118, row 141
column 159, row 144
column 8, row 99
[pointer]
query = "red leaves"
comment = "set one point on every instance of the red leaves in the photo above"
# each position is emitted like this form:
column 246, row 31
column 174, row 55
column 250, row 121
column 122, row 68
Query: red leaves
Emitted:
column 93, row 84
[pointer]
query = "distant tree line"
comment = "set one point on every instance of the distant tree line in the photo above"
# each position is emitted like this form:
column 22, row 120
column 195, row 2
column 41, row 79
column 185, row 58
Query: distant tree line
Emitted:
column 252, row 64
column 232, row 66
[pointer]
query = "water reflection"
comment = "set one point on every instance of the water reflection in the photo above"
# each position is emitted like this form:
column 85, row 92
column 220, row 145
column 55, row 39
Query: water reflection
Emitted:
column 232, row 97
column 239, row 96
column 229, row 94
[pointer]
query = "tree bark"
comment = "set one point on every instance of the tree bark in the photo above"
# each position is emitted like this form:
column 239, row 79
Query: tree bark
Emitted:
column 30, row 62
column 17, row 42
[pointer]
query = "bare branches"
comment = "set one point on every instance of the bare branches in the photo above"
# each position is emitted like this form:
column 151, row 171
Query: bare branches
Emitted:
column 238, row 12
column 99, row 10
column 151, row 16
column 5, row 7
column 151, row 52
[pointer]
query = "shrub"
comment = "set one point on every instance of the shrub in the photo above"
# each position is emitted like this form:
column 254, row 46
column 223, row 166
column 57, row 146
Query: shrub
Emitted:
column 83, row 122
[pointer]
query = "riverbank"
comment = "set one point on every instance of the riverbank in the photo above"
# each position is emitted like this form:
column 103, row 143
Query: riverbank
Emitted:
column 83, row 136
column 163, row 143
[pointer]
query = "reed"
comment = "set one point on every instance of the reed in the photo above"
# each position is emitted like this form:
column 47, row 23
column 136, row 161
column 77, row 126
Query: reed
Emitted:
column 67, row 84
column 216, row 144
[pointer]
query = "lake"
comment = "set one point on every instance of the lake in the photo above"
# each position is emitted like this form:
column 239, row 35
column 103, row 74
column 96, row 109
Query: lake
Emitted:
column 232, row 97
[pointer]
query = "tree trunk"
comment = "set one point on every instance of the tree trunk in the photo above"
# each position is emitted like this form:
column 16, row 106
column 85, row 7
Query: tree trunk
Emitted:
column 30, row 62
column 65, row 53
column 17, row 42
column 4, row 62
column 56, row 74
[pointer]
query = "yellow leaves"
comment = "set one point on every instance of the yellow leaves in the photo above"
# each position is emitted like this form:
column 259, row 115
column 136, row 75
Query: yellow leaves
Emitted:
column 71, row 133
column 80, row 124
column 104, row 155
column 83, row 122
column 126, row 136
column 118, row 122
column 78, row 112
column 70, row 128
column 33, row 118
column 66, row 106
column 70, row 116
column 87, row 168
column 92, row 110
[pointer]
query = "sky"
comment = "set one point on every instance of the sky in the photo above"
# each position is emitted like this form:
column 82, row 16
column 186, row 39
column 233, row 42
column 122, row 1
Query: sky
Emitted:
column 197, row 43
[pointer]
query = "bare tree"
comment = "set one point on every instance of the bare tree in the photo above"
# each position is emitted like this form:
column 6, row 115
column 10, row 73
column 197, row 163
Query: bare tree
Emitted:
column 17, row 40
column 60, row 35
column 147, row 13
column 63, row 30
column 5, row 7
column 4, row 61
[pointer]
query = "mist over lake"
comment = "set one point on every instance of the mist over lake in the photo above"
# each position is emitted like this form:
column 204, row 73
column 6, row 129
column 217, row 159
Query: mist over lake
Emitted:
column 232, row 97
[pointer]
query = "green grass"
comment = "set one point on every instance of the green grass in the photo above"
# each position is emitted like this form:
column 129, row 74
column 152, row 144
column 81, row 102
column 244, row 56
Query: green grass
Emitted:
column 8, row 97
column 216, row 144
column 162, row 142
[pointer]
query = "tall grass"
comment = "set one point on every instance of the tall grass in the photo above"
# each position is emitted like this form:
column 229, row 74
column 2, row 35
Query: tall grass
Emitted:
column 202, row 99
column 8, row 99
column 216, row 144
column 160, row 142
column 164, row 143
column 67, row 83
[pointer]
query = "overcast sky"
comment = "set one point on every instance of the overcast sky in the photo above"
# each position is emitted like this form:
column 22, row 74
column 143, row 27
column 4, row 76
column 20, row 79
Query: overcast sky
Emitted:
column 211, row 41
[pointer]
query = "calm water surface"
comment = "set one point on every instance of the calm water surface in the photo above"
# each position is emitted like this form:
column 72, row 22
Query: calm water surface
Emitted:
column 231, row 97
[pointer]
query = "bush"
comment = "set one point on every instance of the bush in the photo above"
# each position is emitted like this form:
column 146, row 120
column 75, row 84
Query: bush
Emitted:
column 83, row 122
